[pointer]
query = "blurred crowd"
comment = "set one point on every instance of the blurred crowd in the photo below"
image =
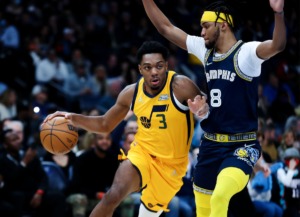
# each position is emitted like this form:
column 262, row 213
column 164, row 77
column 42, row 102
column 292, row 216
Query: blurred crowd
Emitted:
column 78, row 56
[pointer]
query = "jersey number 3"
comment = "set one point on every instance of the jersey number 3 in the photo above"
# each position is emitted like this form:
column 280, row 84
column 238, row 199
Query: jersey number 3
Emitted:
column 155, row 109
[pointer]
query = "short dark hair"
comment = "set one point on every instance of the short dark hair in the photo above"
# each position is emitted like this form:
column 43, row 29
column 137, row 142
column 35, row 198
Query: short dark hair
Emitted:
column 152, row 47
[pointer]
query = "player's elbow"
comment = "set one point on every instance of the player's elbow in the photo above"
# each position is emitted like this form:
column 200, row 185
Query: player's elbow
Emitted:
column 281, row 47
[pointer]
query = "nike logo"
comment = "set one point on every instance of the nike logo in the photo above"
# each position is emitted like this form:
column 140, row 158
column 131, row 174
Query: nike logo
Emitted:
column 208, row 63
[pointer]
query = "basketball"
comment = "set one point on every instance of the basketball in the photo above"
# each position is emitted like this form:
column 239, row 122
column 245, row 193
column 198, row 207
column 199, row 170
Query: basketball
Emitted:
column 58, row 136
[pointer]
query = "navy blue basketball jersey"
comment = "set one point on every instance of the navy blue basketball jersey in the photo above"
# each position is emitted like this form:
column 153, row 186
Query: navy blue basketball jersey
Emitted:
column 232, row 95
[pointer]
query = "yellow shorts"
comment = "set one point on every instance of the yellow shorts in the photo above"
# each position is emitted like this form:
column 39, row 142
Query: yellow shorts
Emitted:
column 161, row 178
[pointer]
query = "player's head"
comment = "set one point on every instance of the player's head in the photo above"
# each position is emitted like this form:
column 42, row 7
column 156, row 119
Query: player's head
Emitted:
column 217, row 16
column 152, row 58
column 149, row 47
column 224, row 11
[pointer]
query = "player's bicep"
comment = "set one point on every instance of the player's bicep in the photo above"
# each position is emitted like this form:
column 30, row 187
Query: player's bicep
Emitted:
column 184, row 89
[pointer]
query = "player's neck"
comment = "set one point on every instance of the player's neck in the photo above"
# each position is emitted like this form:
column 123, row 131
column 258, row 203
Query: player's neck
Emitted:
column 224, row 44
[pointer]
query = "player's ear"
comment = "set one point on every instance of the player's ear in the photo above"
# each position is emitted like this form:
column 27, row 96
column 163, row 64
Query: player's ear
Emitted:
column 140, row 69
column 224, row 25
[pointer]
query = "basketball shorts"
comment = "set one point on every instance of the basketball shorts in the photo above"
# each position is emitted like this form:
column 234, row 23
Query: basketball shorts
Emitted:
column 161, row 178
column 215, row 156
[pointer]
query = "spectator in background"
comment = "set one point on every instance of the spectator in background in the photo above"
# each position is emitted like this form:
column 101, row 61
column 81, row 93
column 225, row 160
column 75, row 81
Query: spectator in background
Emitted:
column 272, row 88
column 269, row 143
column 6, row 208
column 107, row 101
column 288, row 141
column 85, row 143
column 88, row 186
column 126, row 141
column 293, row 122
column 52, row 69
column 280, row 109
column 10, row 36
column 8, row 104
column 78, row 56
column 289, row 177
column 262, row 201
column 65, row 162
column 67, row 44
column 260, row 187
column 26, row 182
column 18, row 128
column 112, row 67
column 40, row 104
column 34, row 50
column 79, row 89
column 100, row 80
column 52, row 72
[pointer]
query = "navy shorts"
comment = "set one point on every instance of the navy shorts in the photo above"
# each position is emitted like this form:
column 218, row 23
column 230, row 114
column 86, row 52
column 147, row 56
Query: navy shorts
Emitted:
column 215, row 156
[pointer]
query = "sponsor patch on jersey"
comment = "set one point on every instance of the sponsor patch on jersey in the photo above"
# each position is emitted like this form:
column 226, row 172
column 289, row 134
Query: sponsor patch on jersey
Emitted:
column 163, row 97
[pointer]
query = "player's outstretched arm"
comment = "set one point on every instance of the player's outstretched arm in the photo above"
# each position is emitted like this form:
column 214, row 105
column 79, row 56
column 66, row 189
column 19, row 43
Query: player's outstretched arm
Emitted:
column 163, row 24
column 277, row 44
column 103, row 123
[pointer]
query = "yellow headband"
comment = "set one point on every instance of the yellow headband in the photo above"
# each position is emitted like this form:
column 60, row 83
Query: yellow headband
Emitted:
column 211, row 16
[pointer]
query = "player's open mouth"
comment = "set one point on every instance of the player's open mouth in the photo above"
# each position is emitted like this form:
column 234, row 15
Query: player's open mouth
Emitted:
column 155, row 82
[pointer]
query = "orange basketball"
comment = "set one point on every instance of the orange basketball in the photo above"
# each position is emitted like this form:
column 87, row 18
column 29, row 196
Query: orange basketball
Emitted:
column 58, row 136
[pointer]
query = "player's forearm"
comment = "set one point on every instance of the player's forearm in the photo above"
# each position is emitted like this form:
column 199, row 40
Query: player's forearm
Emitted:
column 279, row 33
column 93, row 124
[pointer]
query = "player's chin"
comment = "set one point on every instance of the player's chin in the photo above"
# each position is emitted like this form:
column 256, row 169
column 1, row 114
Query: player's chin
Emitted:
column 155, row 87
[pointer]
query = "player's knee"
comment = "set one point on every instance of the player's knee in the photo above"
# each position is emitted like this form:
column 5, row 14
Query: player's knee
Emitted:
column 232, row 179
column 113, row 197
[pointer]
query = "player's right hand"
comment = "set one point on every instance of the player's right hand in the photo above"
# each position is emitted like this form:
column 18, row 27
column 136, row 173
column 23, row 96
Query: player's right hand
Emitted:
column 56, row 114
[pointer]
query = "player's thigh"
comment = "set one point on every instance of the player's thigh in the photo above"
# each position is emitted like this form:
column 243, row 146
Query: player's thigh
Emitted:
column 127, row 179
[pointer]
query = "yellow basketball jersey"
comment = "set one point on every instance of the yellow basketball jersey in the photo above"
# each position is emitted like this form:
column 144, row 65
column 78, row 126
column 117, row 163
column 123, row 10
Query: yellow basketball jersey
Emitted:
column 165, row 126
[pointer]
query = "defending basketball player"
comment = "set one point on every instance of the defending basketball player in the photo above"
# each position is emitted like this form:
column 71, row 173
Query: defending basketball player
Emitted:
column 229, row 148
column 158, row 157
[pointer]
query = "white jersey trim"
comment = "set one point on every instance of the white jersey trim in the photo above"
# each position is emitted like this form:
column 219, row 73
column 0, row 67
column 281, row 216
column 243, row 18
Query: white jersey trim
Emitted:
column 248, row 61
column 179, row 104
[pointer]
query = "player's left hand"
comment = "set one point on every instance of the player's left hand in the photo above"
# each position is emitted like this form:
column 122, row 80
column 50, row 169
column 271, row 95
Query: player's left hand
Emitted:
column 277, row 5
column 198, row 106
